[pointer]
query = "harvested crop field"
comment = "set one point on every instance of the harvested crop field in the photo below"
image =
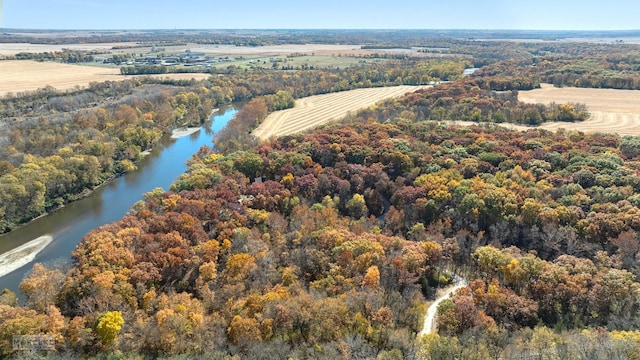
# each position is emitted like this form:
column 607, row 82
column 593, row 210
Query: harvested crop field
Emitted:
column 320, row 109
column 612, row 111
column 22, row 75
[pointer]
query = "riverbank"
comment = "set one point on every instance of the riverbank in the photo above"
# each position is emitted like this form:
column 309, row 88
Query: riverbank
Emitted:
column 182, row 132
column 175, row 134
column 109, row 201
column 22, row 255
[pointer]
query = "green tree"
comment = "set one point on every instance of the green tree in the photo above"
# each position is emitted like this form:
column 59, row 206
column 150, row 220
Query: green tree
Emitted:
column 630, row 146
column 249, row 163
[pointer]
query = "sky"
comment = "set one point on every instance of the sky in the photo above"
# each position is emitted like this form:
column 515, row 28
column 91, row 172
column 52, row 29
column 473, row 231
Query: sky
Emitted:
column 325, row 14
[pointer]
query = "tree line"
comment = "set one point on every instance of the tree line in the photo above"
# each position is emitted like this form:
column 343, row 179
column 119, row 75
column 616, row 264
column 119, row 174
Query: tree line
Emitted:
column 66, row 56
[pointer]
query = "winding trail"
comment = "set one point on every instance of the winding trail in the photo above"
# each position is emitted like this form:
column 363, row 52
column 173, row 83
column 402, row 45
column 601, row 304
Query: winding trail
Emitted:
column 430, row 319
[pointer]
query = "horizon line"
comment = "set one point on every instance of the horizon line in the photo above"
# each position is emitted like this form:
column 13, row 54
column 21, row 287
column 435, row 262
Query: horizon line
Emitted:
column 324, row 29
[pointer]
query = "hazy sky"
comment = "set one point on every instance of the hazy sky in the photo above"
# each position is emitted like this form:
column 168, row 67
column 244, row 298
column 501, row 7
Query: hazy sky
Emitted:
column 331, row 14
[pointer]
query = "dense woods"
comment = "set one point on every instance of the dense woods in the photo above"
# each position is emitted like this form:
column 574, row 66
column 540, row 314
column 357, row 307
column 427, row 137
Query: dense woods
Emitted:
column 326, row 244
column 348, row 233
column 49, row 160
column 60, row 145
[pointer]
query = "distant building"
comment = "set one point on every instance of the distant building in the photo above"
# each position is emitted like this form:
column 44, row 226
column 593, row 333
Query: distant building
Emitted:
column 191, row 54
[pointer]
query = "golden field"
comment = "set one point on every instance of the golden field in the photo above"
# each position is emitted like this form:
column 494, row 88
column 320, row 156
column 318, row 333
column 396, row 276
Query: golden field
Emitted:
column 316, row 110
column 612, row 111
column 23, row 75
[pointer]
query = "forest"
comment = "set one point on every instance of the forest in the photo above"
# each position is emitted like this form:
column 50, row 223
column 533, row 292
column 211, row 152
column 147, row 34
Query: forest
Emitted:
column 334, row 250
column 61, row 145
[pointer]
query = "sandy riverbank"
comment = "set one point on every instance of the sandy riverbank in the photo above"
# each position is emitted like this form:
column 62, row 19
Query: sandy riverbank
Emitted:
column 22, row 255
column 182, row 132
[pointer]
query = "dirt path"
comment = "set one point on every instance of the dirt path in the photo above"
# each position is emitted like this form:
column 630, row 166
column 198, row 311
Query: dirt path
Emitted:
column 442, row 294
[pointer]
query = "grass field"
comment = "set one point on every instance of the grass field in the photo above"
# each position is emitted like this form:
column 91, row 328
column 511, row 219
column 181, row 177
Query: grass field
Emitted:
column 317, row 110
column 331, row 61
column 297, row 62
column 310, row 55
column 19, row 76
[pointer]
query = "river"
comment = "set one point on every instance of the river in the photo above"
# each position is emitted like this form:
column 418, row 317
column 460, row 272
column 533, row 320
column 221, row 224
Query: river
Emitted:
column 110, row 202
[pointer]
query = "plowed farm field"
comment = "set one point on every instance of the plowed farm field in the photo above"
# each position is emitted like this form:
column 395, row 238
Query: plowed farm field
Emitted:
column 22, row 75
column 316, row 110
column 612, row 111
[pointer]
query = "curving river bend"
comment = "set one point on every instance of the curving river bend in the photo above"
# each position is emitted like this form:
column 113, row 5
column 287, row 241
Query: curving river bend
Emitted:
column 108, row 203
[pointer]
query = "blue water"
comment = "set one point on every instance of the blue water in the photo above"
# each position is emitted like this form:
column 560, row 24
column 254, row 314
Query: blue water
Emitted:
column 110, row 202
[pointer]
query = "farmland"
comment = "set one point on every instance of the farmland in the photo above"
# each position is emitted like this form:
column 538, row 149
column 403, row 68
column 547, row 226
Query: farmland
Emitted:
column 15, row 48
column 19, row 76
column 616, row 111
column 320, row 109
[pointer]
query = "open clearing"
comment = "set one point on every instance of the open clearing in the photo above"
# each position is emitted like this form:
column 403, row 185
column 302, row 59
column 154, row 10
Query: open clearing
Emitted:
column 23, row 75
column 612, row 111
column 319, row 109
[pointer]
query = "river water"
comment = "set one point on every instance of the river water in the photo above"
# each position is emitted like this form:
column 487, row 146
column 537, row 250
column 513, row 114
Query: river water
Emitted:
column 110, row 202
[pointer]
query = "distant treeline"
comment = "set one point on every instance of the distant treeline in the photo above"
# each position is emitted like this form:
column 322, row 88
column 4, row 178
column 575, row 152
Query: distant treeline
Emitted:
column 383, row 46
column 159, row 69
column 270, row 37
column 476, row 100
column 65, row 56
column 614, row 70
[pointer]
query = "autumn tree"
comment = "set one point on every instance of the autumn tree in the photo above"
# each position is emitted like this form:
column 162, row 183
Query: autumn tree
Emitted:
column 108, row 326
